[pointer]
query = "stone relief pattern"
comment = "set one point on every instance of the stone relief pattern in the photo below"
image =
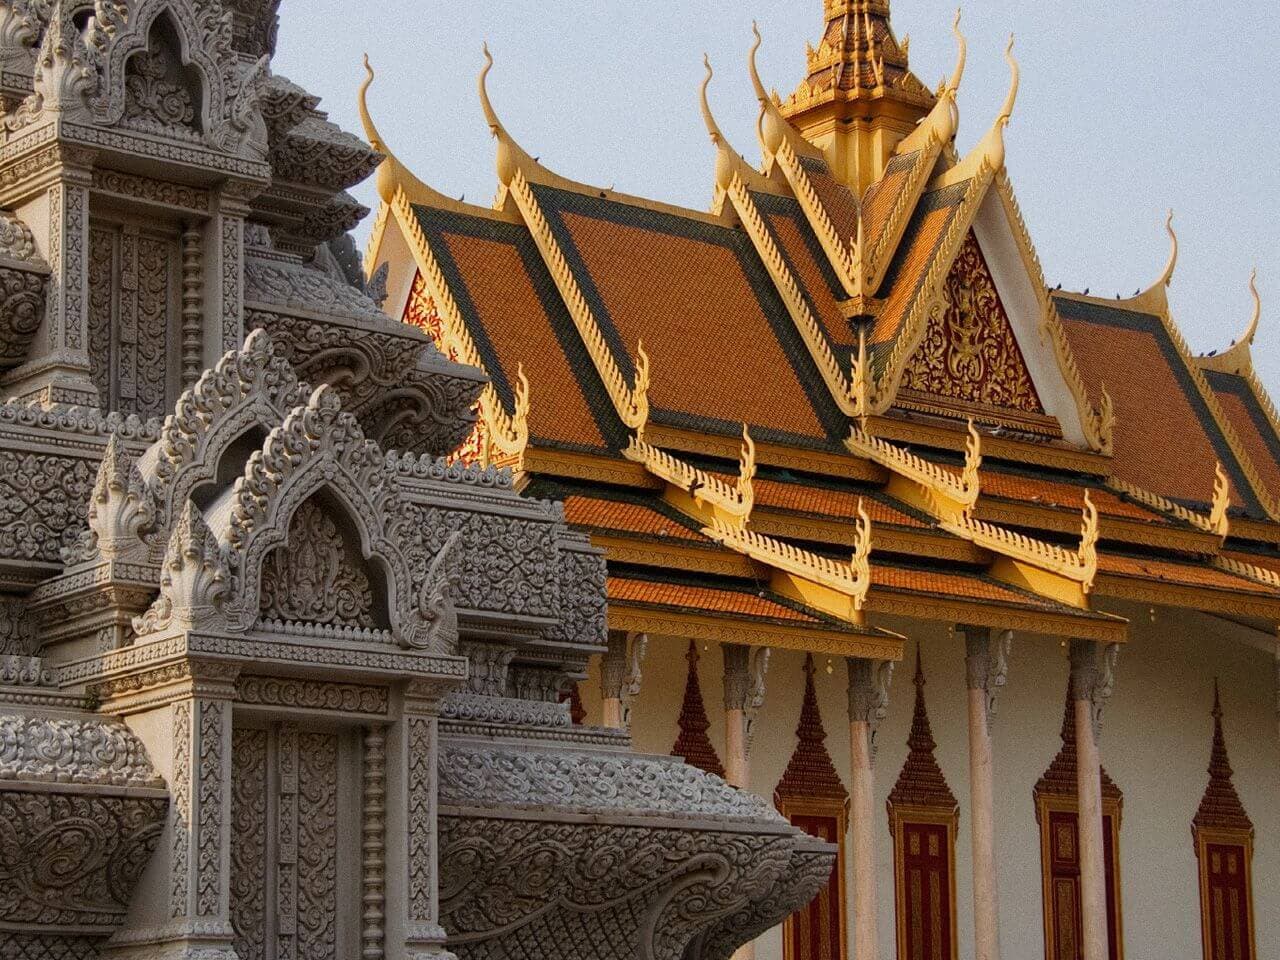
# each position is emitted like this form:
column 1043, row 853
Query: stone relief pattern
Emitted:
column 42, row 500
column 156, row 98
column 311, row 694
column 607, row 903
column 56, row 308
column 17, row 632
column 594, row 781
column 209, row 837
column 509, row 565
column 582, row 601
column 421, row 867
column 232, row 282
column 153, row 309
column 102, row 252
column 249, row 842
column 316, row 577
column 76, row 200
column 18, row 946
column 287, row 841
column 57, row 750
column 317, row 845
column 22, row 299
column 74, row 859
column 180, row 787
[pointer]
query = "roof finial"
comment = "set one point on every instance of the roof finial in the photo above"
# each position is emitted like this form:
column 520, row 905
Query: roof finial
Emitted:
column 511, row 156
column 1166, row 278
column 393, row 176
column 774, row 127
column 1252, row 330
column 726, row 160
column 962, row 53
column 1006, row 112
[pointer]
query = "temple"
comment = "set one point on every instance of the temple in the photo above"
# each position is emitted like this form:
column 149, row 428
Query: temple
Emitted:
column 839, row 419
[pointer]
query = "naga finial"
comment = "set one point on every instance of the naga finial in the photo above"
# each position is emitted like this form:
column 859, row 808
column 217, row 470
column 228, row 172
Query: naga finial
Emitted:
column 1006, row 112
column 393, row 176
column 1166, row 278
column 962, row 53
column 1252, row 330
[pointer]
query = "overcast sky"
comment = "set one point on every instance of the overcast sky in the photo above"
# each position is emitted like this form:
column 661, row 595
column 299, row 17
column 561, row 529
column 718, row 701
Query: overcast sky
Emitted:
column 1127, row 108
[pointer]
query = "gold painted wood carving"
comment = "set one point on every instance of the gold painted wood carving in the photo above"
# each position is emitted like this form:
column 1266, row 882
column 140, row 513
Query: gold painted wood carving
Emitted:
column 969, row 352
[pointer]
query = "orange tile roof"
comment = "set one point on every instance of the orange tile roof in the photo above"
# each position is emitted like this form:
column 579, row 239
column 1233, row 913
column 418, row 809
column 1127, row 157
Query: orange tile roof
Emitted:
column 951, row 584
column 915, row 253
column 805, row 498
column 601, row 514
column 742, row 603
column 1182, row 574
column 883, row 194
column 838, row 200
column 1165, row 437
column 682, row 286
column 1251, row 425
column 1070, row 496
column 1265, row 561
column 496, row 285
column 805, row 266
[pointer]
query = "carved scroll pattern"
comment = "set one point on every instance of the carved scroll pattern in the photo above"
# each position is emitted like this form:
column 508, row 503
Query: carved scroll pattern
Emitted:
column 249, row 842
column 969, row 353
column 317, row 845
column 421, row 814
column 42, row 498
column 181, row 787
column 154, row 296
column 209, row 836
column 315, row 577
column 155, row 96
column 101, row 275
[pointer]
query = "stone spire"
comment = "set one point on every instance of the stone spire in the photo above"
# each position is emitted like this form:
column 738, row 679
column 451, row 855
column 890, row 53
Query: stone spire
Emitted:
column 921, row 782
column 692, row 743
column 1220, row 807
column 810, row 774
column 1059, row 780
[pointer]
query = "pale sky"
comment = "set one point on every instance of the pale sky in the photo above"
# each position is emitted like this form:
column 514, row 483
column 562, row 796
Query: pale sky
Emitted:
column 1126, row 109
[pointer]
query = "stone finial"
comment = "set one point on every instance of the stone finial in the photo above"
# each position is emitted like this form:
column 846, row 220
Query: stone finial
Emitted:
column 692, row 742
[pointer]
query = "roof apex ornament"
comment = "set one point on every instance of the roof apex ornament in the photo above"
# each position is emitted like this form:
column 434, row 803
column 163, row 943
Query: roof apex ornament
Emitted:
column 728, row 162
column 774, row 128
column 992, row 148
column 1238, row 358
column 511, row 156
column 939, row 127
column 393, row 176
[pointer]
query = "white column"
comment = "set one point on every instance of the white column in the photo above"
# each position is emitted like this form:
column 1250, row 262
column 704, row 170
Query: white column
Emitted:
column 868, row 702
column 620, row 677
column 1091, row 683
column 986, row 670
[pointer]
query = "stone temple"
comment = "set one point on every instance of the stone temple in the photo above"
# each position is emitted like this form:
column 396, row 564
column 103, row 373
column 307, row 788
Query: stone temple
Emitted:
column 366, row 604
column 278, row 680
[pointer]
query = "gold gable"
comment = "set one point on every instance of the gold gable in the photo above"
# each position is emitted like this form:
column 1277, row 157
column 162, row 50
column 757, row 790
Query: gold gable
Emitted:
column 969, row 361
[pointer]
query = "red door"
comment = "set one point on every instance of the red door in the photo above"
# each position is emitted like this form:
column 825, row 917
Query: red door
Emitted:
column 926, row 901
column 1228, row 904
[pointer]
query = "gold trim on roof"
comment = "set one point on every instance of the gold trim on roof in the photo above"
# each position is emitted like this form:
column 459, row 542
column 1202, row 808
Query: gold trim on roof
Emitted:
column 729, row 502
column 947, row 493
column 1238, row 358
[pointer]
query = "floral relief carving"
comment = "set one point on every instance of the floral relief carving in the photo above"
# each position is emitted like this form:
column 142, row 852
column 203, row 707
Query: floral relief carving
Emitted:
column 249, row 842
column 969, row 352
column 154, row 297
column 42, row 498
column 317, row 845
column 155, row 94
column 211, row 812
column 316, row 577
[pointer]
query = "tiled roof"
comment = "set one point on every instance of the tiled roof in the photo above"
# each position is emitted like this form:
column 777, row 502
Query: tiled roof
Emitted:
column 515, row 316
column 837, row 199
column 821, row 501
column 1182, row 574
column 1056, row 493
column 743, row 602
column 604, row 514
column 1166, row 439
column 953, row 584
column 882, row 195
column 902, row 282
column 711, row 321
column 1251, row 424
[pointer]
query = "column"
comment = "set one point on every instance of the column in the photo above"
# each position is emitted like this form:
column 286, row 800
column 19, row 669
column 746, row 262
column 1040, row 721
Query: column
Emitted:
column 1092, row 679
column 58, row 368
column 411, row 894
column 986, row 670
column 200, row 855
column 744, row 673
column 224, row 267
column 868, row 703
column 620, row 677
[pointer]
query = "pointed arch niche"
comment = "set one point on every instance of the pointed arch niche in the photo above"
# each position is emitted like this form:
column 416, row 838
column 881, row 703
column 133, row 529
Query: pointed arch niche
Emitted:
column 811, row 796
column 1223, row 835
column 923, row 817
column 1056, row 801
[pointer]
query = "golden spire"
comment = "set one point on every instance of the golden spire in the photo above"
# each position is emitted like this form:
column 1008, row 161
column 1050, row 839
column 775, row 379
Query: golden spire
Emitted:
column 393, row 176
column 728, row 162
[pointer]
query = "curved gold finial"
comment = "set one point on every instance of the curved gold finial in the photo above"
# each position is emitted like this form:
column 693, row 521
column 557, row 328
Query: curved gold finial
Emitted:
column 962, row 54
column 1166, row 278
column 1219, row 522
column 726, row 159
column 1006, row 112
column 773, row 127
column 511, row 157
column 761, row 94
column 713, row 130
column 393, row 176
column 482, row 82
column 1252, row 330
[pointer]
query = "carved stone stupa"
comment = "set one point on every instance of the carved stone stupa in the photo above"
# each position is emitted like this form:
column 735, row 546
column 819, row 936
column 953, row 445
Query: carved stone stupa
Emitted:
column 277, row 679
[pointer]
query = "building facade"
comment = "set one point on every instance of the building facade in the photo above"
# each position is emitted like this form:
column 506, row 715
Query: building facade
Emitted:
column 840, row 422
column 278, row 678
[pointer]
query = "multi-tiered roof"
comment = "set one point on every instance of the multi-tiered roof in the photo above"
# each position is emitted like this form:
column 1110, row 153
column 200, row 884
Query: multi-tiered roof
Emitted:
column 847, row 387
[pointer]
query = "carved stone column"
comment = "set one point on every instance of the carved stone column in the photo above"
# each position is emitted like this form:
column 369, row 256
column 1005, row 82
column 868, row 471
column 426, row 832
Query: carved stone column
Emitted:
column 224, row 288
column 200, row 814
column 1092, row 679
column 986, row 671
column 412, row 890
column 868, row 703
column 744, row 673
column 620, row 677
column 373, row 845
column 58, row 368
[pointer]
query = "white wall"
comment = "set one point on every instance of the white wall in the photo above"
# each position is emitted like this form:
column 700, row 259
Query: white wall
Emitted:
column 1156, row 739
